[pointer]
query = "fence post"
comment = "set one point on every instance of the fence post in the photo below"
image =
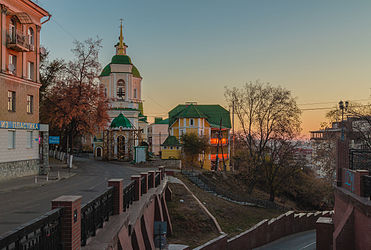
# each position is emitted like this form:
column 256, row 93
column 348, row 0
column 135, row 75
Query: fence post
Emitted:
column 145, row 175
column 118, row 190
column 71, row 220
column 136, row 178
column 324, row 230
column 152, row 175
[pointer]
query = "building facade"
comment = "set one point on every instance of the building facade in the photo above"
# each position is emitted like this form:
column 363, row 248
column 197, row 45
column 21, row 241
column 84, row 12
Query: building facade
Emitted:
column 212, row 121
column 157, row 134
column 122, row 86
column 20, row 24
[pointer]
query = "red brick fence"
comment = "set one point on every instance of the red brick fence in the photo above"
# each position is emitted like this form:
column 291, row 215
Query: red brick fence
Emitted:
column 267, row 231
column 127, row 214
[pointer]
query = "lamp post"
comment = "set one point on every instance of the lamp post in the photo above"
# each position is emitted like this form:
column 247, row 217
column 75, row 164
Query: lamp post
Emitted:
column 343, row 107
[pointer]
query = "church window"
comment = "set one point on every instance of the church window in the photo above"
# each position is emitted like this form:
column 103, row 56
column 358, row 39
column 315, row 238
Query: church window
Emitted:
column 135, row 93
column 121, row 89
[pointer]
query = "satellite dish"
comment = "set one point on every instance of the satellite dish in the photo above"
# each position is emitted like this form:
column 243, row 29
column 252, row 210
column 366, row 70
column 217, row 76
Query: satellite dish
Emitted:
column 42, row 51
column 11, row 68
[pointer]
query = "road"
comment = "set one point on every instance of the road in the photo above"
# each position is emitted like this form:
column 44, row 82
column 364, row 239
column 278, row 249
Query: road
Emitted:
column 300, row 241
column 22, row 205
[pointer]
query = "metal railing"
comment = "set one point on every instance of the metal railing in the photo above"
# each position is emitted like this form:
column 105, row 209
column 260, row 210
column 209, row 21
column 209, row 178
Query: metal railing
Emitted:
column 360, row 159
column 94, row 213
column 129, row 194
column 150, row 180
column 17, row 38
column 157, row 179
column 366, row 185
column 142, row 185
column 43, row 232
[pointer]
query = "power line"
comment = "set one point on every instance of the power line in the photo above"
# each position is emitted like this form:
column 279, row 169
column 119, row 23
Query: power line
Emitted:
column 62, row 28
column 333, row 102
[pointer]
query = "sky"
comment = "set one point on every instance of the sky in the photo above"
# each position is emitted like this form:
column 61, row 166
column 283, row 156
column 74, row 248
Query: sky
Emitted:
column 189, row 50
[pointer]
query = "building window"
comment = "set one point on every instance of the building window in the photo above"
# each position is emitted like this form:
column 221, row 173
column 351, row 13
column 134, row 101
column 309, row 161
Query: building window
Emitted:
column 11, row 139
column 31, row 70
column 105, row 92
column 31, row 36
column 29, row 139
column 12, row 67
column 11, row 101
column 191, row 122
column 29, row 104
column 135, row 93
column 121, row 89
column 12, row 29
column 171, row 147
column 164, row 147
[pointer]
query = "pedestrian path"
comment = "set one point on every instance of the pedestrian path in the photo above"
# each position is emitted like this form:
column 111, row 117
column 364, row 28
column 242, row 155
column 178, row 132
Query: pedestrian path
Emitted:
column 57, row 172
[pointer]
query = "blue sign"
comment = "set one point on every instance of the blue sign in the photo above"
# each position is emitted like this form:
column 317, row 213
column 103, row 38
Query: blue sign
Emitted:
column 54, row 139
column 19, row 125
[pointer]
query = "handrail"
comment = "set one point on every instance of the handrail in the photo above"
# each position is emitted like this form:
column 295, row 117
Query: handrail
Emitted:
column 129, row 194
column 94, row 213
column 142, row 185
column 43, row 232
column 157, row 179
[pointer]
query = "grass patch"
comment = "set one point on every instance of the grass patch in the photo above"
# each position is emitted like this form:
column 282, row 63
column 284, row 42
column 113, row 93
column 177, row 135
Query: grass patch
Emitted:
column 191, row 225
column 232, row 218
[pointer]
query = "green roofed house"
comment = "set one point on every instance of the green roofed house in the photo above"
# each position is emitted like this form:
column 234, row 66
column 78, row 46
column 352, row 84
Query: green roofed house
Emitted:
column 122, row 86
column 212, row 121
column 171, row 148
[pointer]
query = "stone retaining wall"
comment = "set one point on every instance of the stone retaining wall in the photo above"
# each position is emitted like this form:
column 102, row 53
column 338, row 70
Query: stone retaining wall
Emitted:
column 9, row 170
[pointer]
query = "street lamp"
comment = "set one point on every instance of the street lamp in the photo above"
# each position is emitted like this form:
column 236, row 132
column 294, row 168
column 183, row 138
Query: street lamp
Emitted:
column 343, row 107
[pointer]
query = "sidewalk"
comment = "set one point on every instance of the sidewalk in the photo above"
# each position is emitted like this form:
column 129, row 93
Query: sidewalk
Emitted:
column 57, row 172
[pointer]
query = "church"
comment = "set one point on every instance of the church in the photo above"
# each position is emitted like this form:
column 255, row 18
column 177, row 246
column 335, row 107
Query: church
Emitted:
column 122, row 82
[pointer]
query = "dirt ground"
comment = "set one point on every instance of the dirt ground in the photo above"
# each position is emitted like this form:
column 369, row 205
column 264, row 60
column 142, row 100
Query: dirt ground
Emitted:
column 191, row 225
column 233, row 218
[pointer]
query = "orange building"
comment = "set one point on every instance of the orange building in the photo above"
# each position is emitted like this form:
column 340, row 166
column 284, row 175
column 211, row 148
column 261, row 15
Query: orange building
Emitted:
column 20, row 24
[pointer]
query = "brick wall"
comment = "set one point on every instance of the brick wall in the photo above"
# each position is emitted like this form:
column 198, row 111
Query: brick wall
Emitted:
column 22, row 89
column 269, row 230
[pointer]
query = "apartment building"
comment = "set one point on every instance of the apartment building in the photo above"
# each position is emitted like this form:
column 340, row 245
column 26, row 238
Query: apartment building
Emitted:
column 20, row 138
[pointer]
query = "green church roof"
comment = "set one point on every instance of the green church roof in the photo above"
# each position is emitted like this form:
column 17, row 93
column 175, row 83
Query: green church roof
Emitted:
column 121, row 121
column 120, row 59
column 171, row 141
column 212, row 113
column 135, row 72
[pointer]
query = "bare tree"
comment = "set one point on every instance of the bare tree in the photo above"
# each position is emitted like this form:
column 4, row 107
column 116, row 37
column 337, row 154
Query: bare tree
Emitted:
column 76, row 105
column 265, row 113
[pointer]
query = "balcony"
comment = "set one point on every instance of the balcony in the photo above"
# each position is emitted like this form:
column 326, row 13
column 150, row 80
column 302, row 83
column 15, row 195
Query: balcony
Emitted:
column 214, row 141
column 18, row 42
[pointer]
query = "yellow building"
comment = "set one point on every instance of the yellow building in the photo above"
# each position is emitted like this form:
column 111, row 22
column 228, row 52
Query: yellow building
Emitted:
column 171, row 148
column 203, row 120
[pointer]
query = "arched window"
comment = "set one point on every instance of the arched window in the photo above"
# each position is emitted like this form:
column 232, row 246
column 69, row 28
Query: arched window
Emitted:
column 31, row 36
column 121, row 89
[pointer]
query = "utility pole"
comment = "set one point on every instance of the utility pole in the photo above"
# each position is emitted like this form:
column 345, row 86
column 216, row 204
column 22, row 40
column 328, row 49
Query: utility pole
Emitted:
column 233, row 137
